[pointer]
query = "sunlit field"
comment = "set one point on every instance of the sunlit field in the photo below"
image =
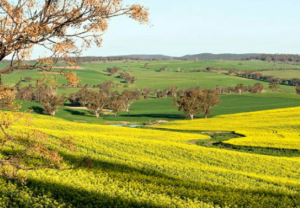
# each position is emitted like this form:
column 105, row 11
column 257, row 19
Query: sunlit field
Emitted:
column 164, row 168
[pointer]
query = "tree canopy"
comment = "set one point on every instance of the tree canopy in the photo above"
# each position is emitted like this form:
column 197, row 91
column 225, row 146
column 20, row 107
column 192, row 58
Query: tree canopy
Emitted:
column 56, row 25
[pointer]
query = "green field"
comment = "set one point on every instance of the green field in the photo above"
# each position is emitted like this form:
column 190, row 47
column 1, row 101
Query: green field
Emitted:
column 283, row 74
column 151, row 110
column 95, row 73
column 145, row 111
column 173, row 163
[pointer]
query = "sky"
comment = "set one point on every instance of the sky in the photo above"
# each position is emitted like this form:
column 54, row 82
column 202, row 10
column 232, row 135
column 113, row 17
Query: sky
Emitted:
column 181, row 27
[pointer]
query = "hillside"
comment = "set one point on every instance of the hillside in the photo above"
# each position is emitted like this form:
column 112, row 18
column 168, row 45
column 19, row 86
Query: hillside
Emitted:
column 224, row 56
column 154, row 168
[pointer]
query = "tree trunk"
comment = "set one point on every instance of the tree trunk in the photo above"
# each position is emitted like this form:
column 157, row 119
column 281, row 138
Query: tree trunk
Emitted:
column 52, row 113
column 192, row 116
column 205, row 115
column 97, row 114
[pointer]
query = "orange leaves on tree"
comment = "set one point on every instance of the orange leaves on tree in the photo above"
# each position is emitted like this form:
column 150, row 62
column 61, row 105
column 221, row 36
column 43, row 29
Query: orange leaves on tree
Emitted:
column 57, row 26
column 72, row 78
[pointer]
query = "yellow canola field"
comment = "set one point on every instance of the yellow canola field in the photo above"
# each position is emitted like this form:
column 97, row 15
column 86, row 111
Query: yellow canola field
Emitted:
column 162, row 169
column 278, row 128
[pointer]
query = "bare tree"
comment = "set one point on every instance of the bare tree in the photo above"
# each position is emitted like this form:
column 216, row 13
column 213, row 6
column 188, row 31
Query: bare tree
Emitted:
column 51, row 101
column 128, row 97
column 96, row 102
column 146, row 92
column 189, row 102
column 25, row 93
column 112, row 71
column 172, row 91
column 79, row 98
column 104, row 88
column 209, row 99
column 194, row 101
column 239, row 88
column 274, row 86
column 257, row 88
column 298, row 89
column 116, row 103
column 130, row 80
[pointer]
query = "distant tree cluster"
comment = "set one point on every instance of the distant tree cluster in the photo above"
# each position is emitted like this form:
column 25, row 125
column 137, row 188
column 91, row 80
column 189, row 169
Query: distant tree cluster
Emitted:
column 146, row 92
column 105, row 98
column 168, row 92
column 267, row 78
column 286, row 58
column 128, row 78
column 45, row 95
column 112, row 71
column 207, row 69
column 213, row 69
column 240, row 88
column 163, row 69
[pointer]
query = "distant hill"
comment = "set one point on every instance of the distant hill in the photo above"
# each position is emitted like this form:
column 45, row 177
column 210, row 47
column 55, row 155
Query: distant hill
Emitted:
column 202, row 56
column 142, row 57
column 224, row 56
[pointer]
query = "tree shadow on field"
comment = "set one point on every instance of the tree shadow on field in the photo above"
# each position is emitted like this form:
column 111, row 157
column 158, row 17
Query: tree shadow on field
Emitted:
column 78, row 197
column 75, row 112
column 155, row 182
column 113, row 167
column 160, row 116
column 37, row 109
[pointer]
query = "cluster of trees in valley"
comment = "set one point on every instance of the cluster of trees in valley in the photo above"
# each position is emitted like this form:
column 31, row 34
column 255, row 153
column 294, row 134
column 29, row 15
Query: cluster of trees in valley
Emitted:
column 286, row 58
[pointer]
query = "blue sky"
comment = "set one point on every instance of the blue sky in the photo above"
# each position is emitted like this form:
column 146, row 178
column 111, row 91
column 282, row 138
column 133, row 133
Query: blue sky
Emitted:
column 183, row 27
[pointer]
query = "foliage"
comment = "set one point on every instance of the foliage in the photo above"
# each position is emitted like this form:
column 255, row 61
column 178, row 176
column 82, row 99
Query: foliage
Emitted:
column 195, row 101
column 190, row 102
column 115, row 103
column 277, row 58
column 96, row 102
column 72, row 78
column 51, row 101
column 128, row 97
column 49, row 27
column 274, row 86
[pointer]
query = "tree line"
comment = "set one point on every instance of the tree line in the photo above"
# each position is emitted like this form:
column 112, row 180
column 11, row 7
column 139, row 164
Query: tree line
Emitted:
column 286, row 58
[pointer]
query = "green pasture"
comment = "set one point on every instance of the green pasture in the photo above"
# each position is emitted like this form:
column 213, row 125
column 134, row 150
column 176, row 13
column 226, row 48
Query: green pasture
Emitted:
column 283, row 74
column 95, row 73
column 152, row 110
column 146, row 111
column 174, row 65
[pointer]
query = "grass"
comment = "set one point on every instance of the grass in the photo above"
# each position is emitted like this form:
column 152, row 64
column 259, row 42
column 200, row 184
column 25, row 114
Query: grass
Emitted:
column 283, row 74
column 145, row 111
column 153, row 168
column 95, row 73
column 151, row 110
